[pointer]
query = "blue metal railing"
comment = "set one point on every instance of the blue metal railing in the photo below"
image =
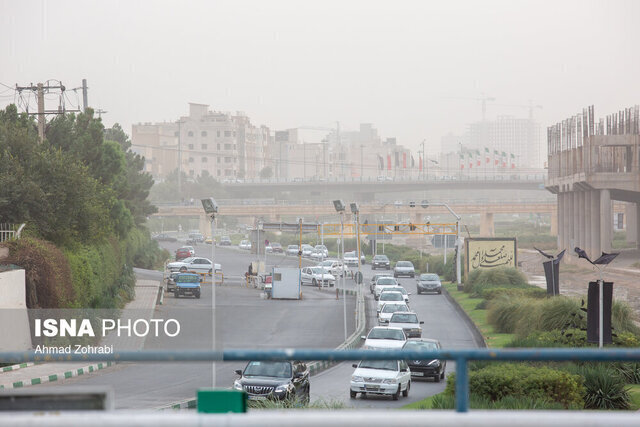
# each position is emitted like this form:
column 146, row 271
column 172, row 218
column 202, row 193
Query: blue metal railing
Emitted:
column 460, row 357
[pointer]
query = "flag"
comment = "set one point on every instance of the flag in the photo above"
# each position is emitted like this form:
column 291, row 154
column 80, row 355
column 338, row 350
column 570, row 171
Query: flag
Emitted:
column 470, row 159
column 420, row 162
column 486, row 155
column 388, row 161
column 504, row 159
column 513, row 161
column 413, row 162
column 461, row 161
column 495, row 157
column 478, row 162
column 404, row 160
column 397, row 156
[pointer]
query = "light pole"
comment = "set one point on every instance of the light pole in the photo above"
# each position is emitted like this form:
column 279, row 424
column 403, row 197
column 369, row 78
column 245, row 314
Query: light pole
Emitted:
column 425, row 204
column 355, row 209
column 340, row 208
column 211, row 209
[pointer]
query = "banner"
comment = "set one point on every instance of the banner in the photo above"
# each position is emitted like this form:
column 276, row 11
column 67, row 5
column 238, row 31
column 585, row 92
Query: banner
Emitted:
column 486, row 155
column 489, row 252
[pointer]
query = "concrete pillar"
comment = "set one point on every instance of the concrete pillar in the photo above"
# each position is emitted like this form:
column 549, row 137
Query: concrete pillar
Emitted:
column 587, row 221
column 486, row 225
column 631, row 211
column 575, row 218
column 566, row 221
column 606, row 223
column 561, row 208
column 581, row 220
column 595, row 249
column 204, row 225
column 555, row 214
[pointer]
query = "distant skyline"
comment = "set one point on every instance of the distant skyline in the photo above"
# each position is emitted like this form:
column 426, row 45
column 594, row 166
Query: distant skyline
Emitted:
column 412, row 68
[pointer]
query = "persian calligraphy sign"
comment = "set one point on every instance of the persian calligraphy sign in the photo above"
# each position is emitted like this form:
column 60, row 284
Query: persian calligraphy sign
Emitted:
column 489, row 252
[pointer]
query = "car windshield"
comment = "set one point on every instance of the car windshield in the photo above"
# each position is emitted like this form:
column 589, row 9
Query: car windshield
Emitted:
column 404, row 318
column 391, row 296
column 387, row 365
column 318, row 270
column 380, row 258
column 326, row 264
column 350, row 254
column 292, row 247
column 404, row 264
column 187, row 260
column 386, row 281
column 276, row 245
column 421, row 345
column 268, row 369
column 392, row 308
column 321, row 247
column 429, row 277
column 386, row 334
column 187, row 278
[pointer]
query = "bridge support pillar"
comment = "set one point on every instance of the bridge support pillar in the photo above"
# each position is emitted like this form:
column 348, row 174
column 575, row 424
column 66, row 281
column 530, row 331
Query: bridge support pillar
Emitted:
column 487, row 228
column 594, row 250
column 606, row 223
column 588, row 232
column 567, row 228
column 560, row 218
column 580, row 219
column 204, row 225
column 631, row 211
column 554, row 220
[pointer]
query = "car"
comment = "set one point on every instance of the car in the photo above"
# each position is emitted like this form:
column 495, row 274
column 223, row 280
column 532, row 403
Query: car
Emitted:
column 381, row 377
column 225, row 241
column 245, row 244
column 193, row 264
column 316, row 276
column 306, row 250
column 351, row 259
column 292, row 250
column 187, row 284
column 323, row 249
column 429, row 282
column 382, row 283
column 196, row 237
column 434, row 368
column 333, row 266
column 170, row 281
column 208, row 241
column 182, row 253
column 390, row 295
column 383, row 337
column 404, row 268
column 409, row 323
column 374, row 278
column 400, row 289
column 387, row 310
column 380, row 261
column 276, row 248
column 263, row 380
column 163, row 237
column 268, row 249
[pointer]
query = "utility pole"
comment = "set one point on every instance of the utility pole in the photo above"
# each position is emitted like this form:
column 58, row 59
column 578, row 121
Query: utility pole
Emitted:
column 85, row 102
column 424, row 161
column 361, row 157
column 180, row 158
column 41, row 118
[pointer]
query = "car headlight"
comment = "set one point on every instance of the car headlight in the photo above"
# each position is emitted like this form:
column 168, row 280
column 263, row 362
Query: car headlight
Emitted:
column 237, row 385
column 282, row 388
column 389, row 381
column 435, row 362
column 357, row 379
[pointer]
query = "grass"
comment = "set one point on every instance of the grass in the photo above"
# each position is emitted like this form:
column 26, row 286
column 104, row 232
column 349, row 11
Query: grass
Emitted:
column 634, row 392
column 422, row 404
column 479, row 317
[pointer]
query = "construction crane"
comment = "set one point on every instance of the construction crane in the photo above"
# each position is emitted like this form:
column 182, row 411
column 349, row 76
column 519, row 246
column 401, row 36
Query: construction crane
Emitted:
column 530, row 106
column 483, row 98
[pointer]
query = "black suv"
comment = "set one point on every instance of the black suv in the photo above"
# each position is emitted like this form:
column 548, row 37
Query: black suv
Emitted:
column 274, row 380
column 380, row 261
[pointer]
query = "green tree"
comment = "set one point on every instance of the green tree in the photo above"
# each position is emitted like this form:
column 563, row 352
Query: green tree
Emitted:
column 266, row 172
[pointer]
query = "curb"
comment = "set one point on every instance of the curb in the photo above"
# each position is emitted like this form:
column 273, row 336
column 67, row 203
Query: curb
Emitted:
column 477, row 335
column 16, row 367
column 56, row 377
column 183, row 404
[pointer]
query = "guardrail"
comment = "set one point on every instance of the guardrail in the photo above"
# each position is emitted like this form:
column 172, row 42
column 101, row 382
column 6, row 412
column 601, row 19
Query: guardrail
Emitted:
column 10, row 231
column 461, row 358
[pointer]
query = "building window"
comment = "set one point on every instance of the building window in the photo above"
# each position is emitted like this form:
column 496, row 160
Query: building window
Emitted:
column 203, row 133
column 204, row 146
column 190, row 133
column 218, row 147
column 204, row 159
column 218, row 134
column 219, row 172
column 227, row 146
column 190, row 146
column 234, row 146
column 190, row 159
column 227, row 133
column 227, row 159
column 218, row 159
column 192, row 172
column 176, row 133
column 228, row 172
column 234, row 133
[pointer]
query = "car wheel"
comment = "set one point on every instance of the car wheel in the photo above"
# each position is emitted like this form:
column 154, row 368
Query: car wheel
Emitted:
column 437, row 378
column 352, row 394
column 198, row 295
column 419, row 292
column 396, row 395
column 405, row 393
column 314, row 282
column 388, row 268
column 176, row 294
column 442, row 375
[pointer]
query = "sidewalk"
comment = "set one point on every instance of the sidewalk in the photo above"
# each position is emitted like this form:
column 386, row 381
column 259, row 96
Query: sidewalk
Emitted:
column 143, row 306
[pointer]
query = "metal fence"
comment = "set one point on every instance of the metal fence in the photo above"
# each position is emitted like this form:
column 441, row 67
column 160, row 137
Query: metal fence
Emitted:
column 10, row 231
column 460, row 357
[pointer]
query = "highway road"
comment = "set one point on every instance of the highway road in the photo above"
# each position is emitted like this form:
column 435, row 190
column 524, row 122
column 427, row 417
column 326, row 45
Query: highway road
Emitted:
column 244, row 320
column 441, row 321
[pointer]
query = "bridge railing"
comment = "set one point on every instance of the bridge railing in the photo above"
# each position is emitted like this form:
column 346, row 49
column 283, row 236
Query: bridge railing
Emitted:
column 460, row 357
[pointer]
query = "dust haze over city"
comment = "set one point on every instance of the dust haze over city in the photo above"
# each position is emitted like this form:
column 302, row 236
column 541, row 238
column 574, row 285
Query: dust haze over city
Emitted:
column 442, row 180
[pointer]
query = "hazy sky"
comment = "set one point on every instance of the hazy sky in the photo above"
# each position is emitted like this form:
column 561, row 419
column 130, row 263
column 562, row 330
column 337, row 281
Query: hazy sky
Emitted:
column 401, row 65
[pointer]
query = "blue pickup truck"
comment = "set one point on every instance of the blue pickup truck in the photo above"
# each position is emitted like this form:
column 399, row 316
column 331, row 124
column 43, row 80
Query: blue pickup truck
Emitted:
column 187, row 284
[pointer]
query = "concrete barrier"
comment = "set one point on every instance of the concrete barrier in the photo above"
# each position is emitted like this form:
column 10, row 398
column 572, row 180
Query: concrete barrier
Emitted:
column 13, row 311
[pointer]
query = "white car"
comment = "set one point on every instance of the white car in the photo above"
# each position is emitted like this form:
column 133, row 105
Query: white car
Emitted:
column 351, row 259
column 382, row 337
column 292, row 250
column 306, row 250
column 245, row 244
column 323, row 249
column 409, row 323
column 387, row 310
column 317, row 276
column 193, row 264
column 317, row 255
column 333, row 266
column 381, row 377
column 390, row 295
column 383, row 283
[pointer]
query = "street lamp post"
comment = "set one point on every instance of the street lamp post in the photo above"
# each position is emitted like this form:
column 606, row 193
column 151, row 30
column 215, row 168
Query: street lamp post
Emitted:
column 425, row 204
column 211, row 209
column 340, row 208
column 355, row 209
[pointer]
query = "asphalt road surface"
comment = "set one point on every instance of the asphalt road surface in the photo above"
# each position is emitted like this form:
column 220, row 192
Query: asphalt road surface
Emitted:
column 441, row 322
column 244, row 320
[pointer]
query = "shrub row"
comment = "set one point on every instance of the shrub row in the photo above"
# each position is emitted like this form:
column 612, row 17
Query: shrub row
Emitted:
column 447, row 401
column 499, row 380
column 570, row 338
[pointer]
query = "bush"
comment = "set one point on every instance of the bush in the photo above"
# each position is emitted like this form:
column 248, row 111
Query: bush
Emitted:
column 628, row 371
column 505, row 313
column 500, row 380
column 604, row 389
column 495, row 292
column 505, row 277
column 570, row 338
column 445, row 401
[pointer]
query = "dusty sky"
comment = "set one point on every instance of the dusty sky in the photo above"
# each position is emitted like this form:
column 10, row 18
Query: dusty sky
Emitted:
column 405, row 66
